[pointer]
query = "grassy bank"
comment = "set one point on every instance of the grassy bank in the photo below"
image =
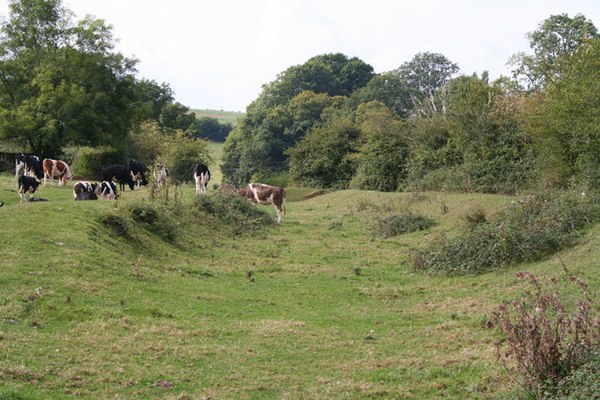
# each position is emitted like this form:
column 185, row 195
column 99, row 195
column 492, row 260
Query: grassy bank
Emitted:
column 314, row 308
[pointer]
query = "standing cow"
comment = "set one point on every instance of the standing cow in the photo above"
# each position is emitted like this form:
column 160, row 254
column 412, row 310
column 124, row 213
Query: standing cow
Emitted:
column 119, row 173
column 161, row 174
column 31, row 164
column 56, row 169
column 27, row 184
column 260, row 193
column 138, row 169
column 201, row 177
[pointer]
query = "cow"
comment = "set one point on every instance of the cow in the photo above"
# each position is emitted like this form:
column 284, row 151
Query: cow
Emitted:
column 32, row 166
column 201, row 177
column 260, row 193
column 119, row 173
column 56, row 168
column 161, row 174
column 138, row 169
column 85, row 187
column 27, row 184
column 108, row 190
column 86, row 196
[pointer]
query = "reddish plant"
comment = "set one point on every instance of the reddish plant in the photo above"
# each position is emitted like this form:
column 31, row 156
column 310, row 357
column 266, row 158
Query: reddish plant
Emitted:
column 545, row 339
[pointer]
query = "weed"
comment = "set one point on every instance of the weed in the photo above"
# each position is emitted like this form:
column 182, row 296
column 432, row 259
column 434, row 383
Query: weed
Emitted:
column 545, row 340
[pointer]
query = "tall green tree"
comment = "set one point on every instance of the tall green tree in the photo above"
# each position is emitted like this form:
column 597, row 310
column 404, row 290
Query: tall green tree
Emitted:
column 62, row 83
column 287, row 109
column 427, row 76
column 554, row 42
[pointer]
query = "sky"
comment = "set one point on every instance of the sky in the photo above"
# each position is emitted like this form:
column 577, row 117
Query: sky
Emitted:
column 218, row 54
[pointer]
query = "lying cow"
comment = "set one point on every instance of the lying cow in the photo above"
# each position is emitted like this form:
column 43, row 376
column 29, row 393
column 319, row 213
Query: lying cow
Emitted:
column 138, row 169
column 108, row 190
column 119, row 173
column 85, row 187
column 161, row 174
column 86, row 196
column 56, row 169
column 259, row 193
column 27, row 184
column 201, row 177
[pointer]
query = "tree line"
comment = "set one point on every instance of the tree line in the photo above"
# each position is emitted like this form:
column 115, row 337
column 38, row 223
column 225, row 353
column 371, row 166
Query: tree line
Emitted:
column 334, row 123
column 331, row 122
column 63, row 85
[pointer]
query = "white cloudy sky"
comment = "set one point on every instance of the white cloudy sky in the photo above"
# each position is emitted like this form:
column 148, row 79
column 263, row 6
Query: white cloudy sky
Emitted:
column 218, row 54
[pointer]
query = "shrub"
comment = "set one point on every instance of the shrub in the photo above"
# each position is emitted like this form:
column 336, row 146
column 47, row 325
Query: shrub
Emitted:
column 398, row 224
column 546, row 341
column 539, row 225
column 235, row 213
column 116, row 223
column 155, row 219
column 582, row 383
column 88, row 161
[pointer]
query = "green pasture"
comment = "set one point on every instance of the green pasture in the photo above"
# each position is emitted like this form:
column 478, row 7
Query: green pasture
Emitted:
column 223, row 116
column 314, row 308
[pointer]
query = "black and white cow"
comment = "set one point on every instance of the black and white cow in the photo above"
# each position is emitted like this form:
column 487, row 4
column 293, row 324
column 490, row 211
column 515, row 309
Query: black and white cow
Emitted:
column 138, row 169
column 27, row 184
column 31, row 164
column 108, row 190
column 119, row 173
column 260, row 193
column 161, row 174
column 85, row 187
column 201, row 177
column 86, row 196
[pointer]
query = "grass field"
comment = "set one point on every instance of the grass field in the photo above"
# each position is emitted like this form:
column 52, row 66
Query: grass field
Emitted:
column 315, row 308
column 223, row 116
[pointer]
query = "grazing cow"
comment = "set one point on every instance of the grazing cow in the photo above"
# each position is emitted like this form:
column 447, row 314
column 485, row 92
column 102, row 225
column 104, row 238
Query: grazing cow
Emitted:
column 32, row 166
column 201, row 177
column 161, row 175
column 108, row 190
column 85, row 187
column 119, row 173
column 58, row 169
column 138, row 169
column 27, row 184
column 86, row 196
column 259, row 193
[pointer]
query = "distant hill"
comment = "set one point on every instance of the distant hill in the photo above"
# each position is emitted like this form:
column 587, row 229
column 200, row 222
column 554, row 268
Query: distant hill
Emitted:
column 222, row 116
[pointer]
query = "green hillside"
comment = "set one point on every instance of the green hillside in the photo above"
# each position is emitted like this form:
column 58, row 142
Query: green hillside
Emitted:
column 223, row 116
column 314, row 308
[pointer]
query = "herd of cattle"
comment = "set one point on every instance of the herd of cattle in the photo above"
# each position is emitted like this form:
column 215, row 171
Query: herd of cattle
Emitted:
column 132, row 175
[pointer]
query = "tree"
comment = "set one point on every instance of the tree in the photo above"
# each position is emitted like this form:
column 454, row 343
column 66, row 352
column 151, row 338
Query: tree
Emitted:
column 287, row 109
column 212, row 129
column 177, row 116
column 381, row 161
column 326, row 157
column 62, row 84
column 554, row 42
column 388, row 89
column 567, row 127
column 426, row 76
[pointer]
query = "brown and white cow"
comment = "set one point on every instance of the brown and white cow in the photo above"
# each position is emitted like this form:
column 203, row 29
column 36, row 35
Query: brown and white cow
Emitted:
column 259, row 193
column 58, row 169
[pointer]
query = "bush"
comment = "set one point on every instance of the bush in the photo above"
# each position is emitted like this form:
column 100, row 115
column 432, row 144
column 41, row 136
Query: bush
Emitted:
column 235, row 213
column 539, row 225
column 116, row 223
column 88, row 161
column 155, row 219
column 398, row 224
column 547, row 342
column 584, row 382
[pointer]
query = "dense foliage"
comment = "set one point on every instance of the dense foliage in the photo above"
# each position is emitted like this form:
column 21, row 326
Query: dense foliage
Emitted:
column 62, row 86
